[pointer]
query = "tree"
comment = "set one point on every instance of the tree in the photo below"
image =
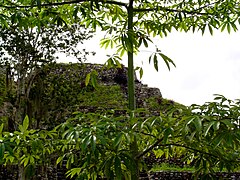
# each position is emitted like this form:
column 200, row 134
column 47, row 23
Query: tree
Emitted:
column 25, row 50
column 130, row 24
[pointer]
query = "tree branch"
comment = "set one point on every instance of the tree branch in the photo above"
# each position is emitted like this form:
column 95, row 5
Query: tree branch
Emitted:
column 159, row 8
column 190, row 148
column 157, row 143
column 172, row 144
column 169, row 10
column 149, row 149
column 147, row 134
column 130, row 3
column 63, row 3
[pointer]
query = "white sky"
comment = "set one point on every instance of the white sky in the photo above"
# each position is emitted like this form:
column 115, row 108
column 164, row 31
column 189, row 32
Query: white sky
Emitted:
column 206, row 65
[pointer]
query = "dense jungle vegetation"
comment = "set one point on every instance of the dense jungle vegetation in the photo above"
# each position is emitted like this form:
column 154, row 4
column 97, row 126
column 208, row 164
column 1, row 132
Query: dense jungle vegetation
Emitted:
column 42, row 121
column 89, row 127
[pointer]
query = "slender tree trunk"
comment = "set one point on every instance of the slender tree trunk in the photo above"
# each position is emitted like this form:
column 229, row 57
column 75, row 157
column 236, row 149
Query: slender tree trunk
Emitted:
column 134, row 153
column 20, row 105
column 131, row 84
column 131, row 93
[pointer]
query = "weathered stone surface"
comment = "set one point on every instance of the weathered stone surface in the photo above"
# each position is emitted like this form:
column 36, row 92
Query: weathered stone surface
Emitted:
column 108, row 77
column 61, row 86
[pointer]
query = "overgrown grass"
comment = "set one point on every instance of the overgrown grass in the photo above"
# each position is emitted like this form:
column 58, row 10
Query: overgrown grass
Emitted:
column 175, row 168
column 104, row 97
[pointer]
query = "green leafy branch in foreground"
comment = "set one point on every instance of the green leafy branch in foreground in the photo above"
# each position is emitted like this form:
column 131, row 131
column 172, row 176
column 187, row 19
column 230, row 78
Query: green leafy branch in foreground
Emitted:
column 97, row 145
column 27, row 147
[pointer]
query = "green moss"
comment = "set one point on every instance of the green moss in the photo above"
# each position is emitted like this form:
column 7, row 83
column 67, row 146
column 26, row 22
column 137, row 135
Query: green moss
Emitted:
column 61, row 90
column 63, row 86
column 169, row 167
column 103, row 97
column 161, row 104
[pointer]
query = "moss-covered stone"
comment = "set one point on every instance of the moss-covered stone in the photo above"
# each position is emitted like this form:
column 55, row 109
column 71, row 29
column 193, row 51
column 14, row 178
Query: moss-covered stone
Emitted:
column 103, row 97
column 161, row 104
column 59, row 90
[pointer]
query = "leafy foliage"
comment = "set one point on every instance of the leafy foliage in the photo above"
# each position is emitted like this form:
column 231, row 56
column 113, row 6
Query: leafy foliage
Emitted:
column 176, row 133
column 214, row 128
column 25, row 49
column 25, row 146
column 98, row 145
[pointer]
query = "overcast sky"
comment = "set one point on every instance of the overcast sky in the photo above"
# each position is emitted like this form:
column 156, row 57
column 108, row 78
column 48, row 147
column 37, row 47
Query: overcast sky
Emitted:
column 206, row 65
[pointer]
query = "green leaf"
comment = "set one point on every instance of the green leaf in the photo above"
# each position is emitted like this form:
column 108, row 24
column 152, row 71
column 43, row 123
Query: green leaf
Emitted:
column 141, row 73
column 210, row 29
column 74, row 171
column 107, row 167
column 228, row 139
column 167, row 132
column 140, row 42
column 25, row 161
column 94, row 81
column 123, row 51
column 59, row 159
column 145, row 43
column 117, row 167
column 75, row 12
column 1, row 129
column 228, row 123
column 149, row 59
column 197, row 123
column 207, row 128
column 26, row 123
column 216, row 125
column 87, row 79
column 189, row 120
column 86, row 142
column 234, row 26
column 228, row 28
column 32, row 160
column 2, row 150
column 167, row 60
column 155, row 62
column 127, row 137
column 104, row 43
column 118, row 140
column 192, row 136
column 217, row 140
column 223, row 27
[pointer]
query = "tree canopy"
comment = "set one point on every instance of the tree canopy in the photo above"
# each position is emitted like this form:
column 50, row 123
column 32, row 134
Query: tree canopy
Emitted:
column 24, row 50
column 151, row 17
